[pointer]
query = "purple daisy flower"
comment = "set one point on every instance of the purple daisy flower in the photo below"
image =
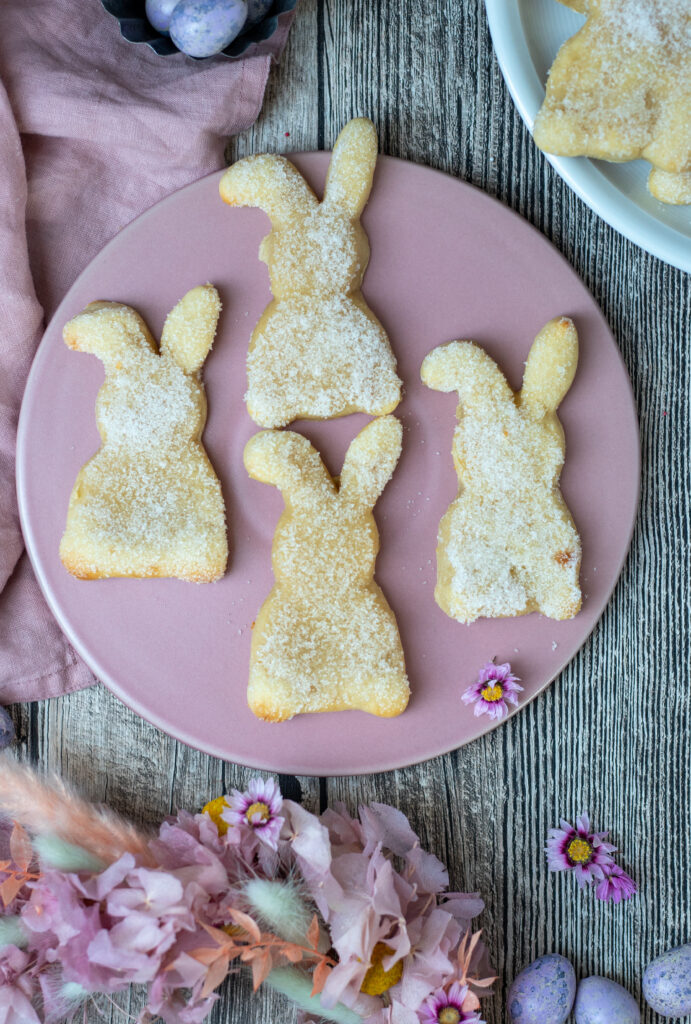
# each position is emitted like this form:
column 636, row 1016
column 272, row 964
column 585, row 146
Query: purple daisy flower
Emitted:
column 580, row 850
column 259, row 808
column 616, row 886
column 495, row 686
column 445, row 1006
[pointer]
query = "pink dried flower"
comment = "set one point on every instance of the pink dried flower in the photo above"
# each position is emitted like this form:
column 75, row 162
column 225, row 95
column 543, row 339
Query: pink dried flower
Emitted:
column 17, row 988
column 394, row 1013
column 495, row 688
column 446, row 1006
column 112, row 929
column 616, row 886
column 183, row 975
column 369, row 902
column 402, row 940
column 580, row 850
column 258, row 809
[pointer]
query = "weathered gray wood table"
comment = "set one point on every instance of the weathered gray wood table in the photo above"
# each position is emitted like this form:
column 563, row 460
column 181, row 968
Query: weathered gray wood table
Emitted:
column 613, row 734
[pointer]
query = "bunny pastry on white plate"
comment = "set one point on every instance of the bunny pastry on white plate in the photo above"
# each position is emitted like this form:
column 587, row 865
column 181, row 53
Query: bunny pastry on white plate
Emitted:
column 149, row 502
column 325, row 638
column 507, row 544
column 669, row 187
column 318, row 351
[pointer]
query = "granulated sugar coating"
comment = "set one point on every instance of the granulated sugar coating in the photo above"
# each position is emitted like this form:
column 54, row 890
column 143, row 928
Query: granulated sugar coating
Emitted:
column 334, row 360
column 318, row 351
column 325, row 638
column 507, row 544
column 670, row 188
column 620, row 88
column 148, row 503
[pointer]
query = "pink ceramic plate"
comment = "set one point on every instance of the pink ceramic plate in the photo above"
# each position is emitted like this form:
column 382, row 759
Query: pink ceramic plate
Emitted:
column 447, row 262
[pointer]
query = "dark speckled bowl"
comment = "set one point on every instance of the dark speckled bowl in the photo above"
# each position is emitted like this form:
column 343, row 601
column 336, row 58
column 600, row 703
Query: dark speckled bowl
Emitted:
column 135, row 27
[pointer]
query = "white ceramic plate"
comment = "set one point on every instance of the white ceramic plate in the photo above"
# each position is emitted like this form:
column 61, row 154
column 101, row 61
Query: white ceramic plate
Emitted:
column 527, row 35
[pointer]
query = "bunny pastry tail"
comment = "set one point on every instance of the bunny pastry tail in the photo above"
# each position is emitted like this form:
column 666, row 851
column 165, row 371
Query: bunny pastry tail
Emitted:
column 318, row 351
column 507, row 545
column 149, row 502
column 326, row 639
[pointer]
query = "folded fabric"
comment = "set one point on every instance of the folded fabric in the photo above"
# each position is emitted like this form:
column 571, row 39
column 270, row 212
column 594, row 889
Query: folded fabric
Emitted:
column 93, row 131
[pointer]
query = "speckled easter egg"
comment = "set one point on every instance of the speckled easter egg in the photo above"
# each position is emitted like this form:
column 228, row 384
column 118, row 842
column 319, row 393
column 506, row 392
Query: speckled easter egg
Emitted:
column 544, row 992
column 159, row 13
column 6, row 729
column 602, row 1001
column 667, row 982
column 201, row 28
column 258, row 10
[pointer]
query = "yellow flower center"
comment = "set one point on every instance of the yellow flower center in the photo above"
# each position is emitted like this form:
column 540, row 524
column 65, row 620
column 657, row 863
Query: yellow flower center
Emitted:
column 259, row 810
column 491, row 694
column 449, row 1015
column 214, row 809
column 579, row 851
column 377, row 980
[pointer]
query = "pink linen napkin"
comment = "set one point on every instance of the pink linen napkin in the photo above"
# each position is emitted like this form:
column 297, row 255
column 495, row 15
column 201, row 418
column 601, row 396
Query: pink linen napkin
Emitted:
column 93, row 131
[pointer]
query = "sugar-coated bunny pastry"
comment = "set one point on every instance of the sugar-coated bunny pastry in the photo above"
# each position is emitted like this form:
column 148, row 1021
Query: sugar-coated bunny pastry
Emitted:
column 670, row 188
column 507, row 545
column 325, row 638
column 148, row 503
column 620, row 88
column 318, row 350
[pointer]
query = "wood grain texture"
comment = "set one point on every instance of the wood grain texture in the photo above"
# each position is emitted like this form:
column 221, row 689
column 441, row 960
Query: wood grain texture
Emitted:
column 613, row 734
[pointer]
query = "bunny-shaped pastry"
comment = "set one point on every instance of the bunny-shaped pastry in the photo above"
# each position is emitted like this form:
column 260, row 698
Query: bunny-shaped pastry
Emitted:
column 507, row 544
column 318, row 350
column 148, row 503
column 669, row 187
column 325, row 638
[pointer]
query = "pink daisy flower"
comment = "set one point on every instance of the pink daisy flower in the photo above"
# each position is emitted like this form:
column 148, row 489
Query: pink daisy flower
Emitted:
column 580, row 850
column 495, row 688
column 616, row 886
column 445, row 1006
column 258, row 807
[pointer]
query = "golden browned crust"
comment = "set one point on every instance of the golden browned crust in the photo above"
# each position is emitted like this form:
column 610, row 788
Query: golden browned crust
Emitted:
column 148, row 504
column 326, row 639
column 507, row 545
column 620, row 89
column 318, row 351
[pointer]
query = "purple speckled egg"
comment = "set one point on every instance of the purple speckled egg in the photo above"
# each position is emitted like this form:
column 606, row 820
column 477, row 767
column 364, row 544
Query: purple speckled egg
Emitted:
column 258, row 10
column 602, row 1001
column 667, row 982
column 159, row 13
column 201, row 28
column 6, row 729
column 544, row 992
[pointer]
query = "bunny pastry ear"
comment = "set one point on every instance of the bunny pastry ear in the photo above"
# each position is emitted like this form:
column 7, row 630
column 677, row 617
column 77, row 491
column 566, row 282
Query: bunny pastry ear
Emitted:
column 190, row 327
column 464, row 367
column 550, row 367
column 109, row 330
column 371, row 460
column 288, row 461
column 349, row 181
column 272, row 184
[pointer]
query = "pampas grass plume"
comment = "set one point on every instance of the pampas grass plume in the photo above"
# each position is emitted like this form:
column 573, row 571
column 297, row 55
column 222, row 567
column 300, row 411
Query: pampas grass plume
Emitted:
column 48, row 807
